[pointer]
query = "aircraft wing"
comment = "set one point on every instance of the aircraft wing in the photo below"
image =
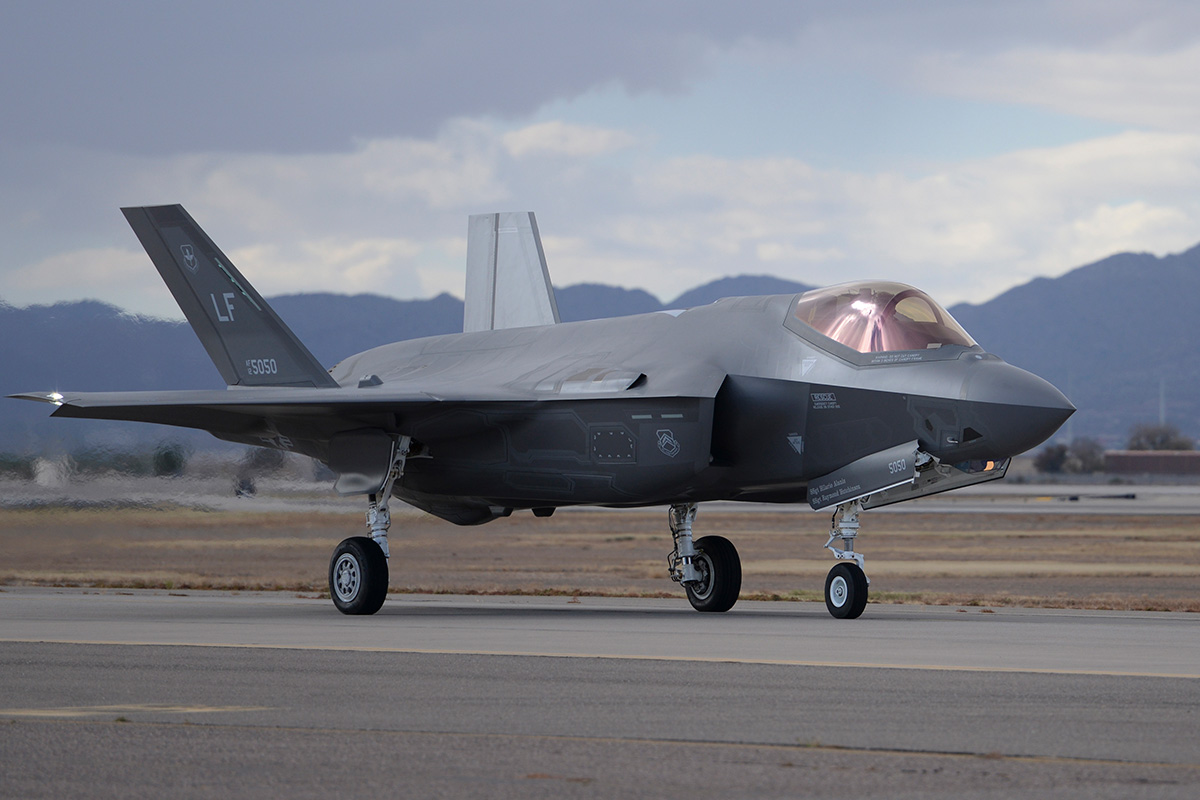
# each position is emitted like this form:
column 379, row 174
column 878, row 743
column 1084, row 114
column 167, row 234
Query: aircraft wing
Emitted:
column 239, row 413
column 236, row 411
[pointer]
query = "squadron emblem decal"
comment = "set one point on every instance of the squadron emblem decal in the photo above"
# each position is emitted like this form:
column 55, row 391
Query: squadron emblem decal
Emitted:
column 667, row 443
column 189, row 256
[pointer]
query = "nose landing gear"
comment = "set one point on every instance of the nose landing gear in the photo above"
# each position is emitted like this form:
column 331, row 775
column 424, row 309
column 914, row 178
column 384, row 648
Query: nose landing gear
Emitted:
column 846, row 585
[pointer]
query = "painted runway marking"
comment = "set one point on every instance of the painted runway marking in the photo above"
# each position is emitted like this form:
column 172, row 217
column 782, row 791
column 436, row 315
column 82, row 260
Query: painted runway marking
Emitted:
column 93, row 711
column 633, row 657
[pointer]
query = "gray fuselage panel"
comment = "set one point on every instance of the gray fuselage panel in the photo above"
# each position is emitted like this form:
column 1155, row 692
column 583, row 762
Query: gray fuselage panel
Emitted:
column 729, row 405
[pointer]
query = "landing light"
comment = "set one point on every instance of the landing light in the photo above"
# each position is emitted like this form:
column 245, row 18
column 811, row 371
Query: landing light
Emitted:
column 56, row 398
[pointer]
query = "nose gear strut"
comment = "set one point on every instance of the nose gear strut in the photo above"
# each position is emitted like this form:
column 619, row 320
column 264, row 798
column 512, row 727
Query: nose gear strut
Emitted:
column 845, row 527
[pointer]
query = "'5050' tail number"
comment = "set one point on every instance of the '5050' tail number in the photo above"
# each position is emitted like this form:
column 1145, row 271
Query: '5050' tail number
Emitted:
column 261, row 366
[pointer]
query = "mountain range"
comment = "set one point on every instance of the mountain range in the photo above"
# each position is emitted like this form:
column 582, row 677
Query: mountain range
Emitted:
column 1117, row 336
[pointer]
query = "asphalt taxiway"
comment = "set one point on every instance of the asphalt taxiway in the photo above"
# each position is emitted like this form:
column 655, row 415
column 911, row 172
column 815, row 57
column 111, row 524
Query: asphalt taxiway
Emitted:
column 127, row 694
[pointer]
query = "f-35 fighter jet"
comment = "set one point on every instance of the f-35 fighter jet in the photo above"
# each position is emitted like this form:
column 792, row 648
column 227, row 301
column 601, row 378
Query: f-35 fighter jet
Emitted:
column 849, row 397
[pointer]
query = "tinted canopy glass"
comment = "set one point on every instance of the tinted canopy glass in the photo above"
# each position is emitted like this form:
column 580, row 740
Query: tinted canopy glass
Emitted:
column 879, row 317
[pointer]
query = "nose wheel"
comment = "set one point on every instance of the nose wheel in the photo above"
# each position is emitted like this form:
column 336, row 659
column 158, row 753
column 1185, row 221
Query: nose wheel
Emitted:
column 846, row 591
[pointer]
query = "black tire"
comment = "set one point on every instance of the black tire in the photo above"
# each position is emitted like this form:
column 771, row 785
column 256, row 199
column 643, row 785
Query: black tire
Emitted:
column 358, row 576
column 846, row 591
column 718, row 562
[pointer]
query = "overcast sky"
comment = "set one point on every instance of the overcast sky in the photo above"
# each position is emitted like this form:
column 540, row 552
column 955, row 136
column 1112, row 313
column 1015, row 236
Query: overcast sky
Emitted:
column 961, row 147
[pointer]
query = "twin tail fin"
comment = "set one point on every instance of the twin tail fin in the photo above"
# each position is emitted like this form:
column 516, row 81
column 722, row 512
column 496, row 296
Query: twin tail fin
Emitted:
column 247, row 341
column 508, row 283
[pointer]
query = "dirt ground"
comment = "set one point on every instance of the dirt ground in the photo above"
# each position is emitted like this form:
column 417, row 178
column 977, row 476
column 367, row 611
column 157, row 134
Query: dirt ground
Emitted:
column 1081, row 561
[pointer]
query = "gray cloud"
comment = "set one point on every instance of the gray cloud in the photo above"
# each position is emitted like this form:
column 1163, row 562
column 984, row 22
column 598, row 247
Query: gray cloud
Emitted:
column 158, row 78
column 342, row 148
column 148, row 77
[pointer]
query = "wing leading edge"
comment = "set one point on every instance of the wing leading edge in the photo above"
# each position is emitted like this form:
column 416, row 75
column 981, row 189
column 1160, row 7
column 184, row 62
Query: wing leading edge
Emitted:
column 223, row 412
column 238, row 408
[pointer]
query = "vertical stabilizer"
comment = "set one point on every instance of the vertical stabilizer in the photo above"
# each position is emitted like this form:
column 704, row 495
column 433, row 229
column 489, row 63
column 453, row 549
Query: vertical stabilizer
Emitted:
column 508, row 283
column 247, row 341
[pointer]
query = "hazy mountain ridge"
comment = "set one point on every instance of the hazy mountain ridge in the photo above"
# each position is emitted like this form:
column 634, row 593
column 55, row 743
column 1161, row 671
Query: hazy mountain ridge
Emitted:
column 1105, row 333
column 1108, row 334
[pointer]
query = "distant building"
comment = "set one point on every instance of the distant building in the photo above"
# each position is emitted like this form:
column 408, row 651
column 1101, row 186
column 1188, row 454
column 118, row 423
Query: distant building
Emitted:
column 1152, row 462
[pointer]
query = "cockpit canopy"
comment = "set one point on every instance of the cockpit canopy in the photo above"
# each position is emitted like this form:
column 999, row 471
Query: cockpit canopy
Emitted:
column 878, row 317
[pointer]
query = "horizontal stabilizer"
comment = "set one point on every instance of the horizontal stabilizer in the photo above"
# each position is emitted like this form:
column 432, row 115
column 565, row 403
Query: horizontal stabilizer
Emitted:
column 247, row 341
column 508, row 283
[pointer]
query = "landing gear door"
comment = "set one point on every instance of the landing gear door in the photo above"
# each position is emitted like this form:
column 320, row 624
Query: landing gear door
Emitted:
column 877, row 472
column 362, row 461
column 941, row 478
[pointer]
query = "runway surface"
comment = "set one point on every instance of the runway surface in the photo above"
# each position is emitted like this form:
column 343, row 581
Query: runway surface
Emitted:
column 120, row 694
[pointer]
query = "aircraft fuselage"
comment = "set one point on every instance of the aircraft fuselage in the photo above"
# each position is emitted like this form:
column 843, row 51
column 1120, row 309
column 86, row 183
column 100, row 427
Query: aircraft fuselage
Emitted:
column 716, row 402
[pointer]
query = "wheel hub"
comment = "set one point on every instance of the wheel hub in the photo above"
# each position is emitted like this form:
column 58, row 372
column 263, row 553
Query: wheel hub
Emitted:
column 347, row 578
column 838, row 591
column 702, row 588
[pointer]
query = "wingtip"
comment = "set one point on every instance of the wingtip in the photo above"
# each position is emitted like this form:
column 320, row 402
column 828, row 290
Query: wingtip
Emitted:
column 54, row 398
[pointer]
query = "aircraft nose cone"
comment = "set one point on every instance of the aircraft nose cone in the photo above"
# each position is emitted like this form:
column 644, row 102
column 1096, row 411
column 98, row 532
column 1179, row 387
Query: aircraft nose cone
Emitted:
column 1017, row 409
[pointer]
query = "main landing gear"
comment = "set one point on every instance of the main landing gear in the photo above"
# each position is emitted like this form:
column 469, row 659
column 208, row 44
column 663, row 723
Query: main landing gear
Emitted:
column 358, row 571
column 711, row 572
column 846, row 585
column 709, row 568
